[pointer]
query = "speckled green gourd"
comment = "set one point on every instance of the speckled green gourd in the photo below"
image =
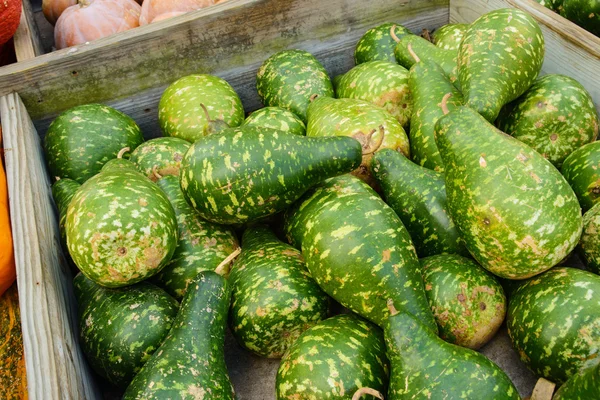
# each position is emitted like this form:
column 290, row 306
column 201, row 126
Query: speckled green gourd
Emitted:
column 190, row 363
column 382, row 83
column 584, row 385
column 585, row 13
column 553, row 321
column 357, row 249
column 448, row 37
column 426, row 367
column 418, row 196
column 377, row 43
column 556, row 116
column 163, row 154
column 120, row 164
column 248, row 173
column 276, row 118
column 499, row 58
column 360, row 120
column 426, row 51
column 121, row 228
column 121, row 328
column 81, row 140
column 468, row 303
column 290, row 78
column 515, row 212
column 201, row 245
column 589, row 244
column 428, row 84
column 274, row 298
column 580, row 169
column 333, row 359
column 180, row 112
column 63, row 191
column 554, row 5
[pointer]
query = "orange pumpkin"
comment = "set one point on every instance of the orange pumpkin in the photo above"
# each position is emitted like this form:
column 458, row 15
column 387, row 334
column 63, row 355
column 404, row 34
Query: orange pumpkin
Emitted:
column 52, row 9
column 13, row 379
column 94, row 19
column 154, row 8
column 8, row 273
column 10, row 16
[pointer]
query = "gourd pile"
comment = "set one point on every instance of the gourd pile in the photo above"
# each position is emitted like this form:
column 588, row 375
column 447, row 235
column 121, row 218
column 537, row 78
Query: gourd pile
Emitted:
column 432, row 191
column 585, row 13
column 80, row 21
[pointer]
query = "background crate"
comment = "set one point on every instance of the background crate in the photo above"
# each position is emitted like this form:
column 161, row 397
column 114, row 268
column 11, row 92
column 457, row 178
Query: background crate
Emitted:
column 130, row 71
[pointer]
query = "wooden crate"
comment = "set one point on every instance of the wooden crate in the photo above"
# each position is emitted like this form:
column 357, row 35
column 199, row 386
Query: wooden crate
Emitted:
column 130, row 71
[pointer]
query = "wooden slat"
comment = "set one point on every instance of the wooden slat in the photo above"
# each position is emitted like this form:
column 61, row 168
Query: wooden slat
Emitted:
column 56, row 368
column 230, row 39
column 27, row 39
column 570, row 50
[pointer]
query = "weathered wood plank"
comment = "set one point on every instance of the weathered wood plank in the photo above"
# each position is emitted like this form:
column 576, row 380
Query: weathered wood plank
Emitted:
column 27, row 39
column 56, row 368
column 570, row 50
column 232, row 36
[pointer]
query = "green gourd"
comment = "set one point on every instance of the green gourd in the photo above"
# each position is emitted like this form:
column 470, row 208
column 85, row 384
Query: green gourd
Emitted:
column 377, row 44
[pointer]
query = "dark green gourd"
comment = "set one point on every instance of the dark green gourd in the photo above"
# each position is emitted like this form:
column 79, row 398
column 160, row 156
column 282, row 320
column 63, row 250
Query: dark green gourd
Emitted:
column 357, row 249
column 589, row 244
column 332, row 360
column 581, row 170
column 514, row 210
column 247, row 173
column 121, row 328
column 584, row 385
column 418, row 196
column 201, row 245
column 377, row 44
column 426, row 367
column 274, row 297
column 63, row 191
column 190, row 363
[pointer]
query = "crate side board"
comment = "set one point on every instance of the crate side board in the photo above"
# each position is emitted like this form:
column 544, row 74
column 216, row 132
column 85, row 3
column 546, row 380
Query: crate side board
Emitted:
column 570, row 49
column 27, row 38
column 56, row 368
column 234, row 36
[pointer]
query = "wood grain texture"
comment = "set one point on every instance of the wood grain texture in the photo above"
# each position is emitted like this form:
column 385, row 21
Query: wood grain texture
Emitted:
column 570, row 50
column 230, row 39
column 56, row 368
column 27, row 39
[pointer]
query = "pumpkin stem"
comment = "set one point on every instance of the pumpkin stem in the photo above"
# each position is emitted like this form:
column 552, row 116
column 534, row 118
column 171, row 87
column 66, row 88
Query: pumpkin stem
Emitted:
column 412, row 53
column 84, row 3
column 365, row 390
column 221, row 267
column 122, row 152
column 155, row 172
column 445, row 103
column 391, row 307
column 393, row 34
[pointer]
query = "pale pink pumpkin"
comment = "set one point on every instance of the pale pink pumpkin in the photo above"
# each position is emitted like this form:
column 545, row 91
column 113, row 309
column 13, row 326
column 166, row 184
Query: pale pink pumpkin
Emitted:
column 168, row 15
column 94, row 19
column 154, row 8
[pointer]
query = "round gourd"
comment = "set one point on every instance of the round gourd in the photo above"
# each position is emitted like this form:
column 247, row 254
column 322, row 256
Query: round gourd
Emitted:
column 151, row 9
column 81, row 140
column 90, row 20
column 589, row 244
column 554, row 322
column 163, row 154
column 53, row 9
column 181, row 113
column 10, row 17
column 121, row 228
column 276, row 118
column 580, row 169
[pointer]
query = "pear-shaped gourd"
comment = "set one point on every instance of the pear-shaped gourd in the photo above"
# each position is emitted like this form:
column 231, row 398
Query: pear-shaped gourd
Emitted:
column 247, row 173
column 190, row 363
column 377, row 44
column 499, row 58
column 426, row 367
column 274, row 297
column 429, row 84
column 161, row 154
column 516, row 213
column 580, row 169
column 589, row 245
column 584, row 385
column 418, row 196
column 357, row 249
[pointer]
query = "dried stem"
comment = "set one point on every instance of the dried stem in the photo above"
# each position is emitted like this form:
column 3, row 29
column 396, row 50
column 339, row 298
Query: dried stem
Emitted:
column 445, row 103
column 122, row 152
column 362, row 391
column 412, row 53
column 221, row 267
column 393, row 34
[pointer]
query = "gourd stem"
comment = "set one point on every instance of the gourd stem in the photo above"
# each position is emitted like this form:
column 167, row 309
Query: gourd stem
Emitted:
column 445, row 103
column 412, row 53
column 362, row 391
column 370, row 149
column 206, row 112
column 391, row 307
column 155, row 172
column 57, row 178
column 122, row 152
column 393, row 34
column 313, row 97
column 221, row 267
column 426, row 35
